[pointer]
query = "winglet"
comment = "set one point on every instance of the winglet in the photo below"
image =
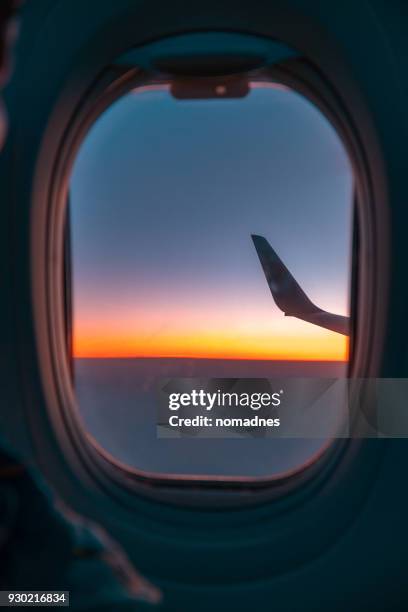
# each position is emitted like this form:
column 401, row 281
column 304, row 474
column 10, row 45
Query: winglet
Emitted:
column 288, row 294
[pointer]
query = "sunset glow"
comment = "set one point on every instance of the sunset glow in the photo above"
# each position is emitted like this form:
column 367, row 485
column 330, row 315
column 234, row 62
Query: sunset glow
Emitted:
column 276, row 338
column 324, row 349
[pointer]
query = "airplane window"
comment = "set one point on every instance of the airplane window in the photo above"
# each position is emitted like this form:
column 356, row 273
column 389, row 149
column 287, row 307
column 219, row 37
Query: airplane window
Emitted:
column 209, row 237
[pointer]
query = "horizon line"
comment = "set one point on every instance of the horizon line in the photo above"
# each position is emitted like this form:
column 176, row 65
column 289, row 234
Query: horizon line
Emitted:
column 209, row 358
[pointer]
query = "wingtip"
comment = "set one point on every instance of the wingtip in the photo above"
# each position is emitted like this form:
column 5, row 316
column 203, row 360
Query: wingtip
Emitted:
column 261, row 244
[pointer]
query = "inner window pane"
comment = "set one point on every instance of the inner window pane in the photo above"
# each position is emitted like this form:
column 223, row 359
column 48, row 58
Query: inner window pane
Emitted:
column 164, row 197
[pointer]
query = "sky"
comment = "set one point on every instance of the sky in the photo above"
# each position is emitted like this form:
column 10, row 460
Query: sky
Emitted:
column 164, row 196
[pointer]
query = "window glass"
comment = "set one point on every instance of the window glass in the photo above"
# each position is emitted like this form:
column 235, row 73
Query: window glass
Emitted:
column 166, row 280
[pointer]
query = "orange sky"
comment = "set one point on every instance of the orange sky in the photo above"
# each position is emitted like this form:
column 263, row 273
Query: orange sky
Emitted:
column 238, row 335
column 324, row 349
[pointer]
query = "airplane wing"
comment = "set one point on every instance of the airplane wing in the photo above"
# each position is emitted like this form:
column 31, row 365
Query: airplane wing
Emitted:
column 288, row 294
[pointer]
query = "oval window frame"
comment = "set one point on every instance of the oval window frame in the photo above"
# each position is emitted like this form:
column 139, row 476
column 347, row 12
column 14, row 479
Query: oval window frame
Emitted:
column 302, row 77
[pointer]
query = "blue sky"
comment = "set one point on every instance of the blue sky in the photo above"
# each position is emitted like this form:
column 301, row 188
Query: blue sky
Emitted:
column 164, row 196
